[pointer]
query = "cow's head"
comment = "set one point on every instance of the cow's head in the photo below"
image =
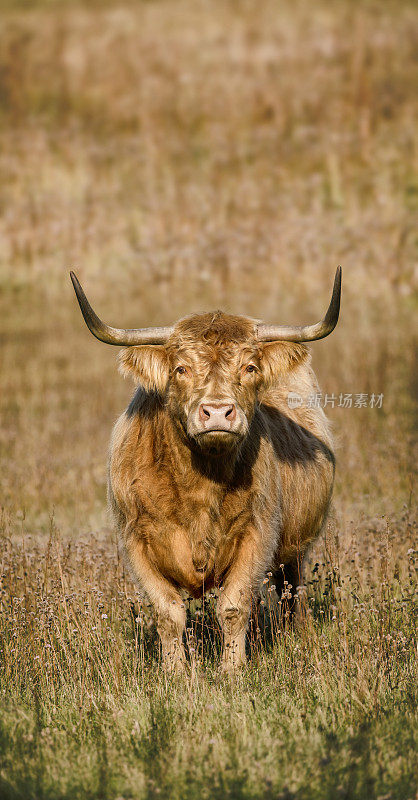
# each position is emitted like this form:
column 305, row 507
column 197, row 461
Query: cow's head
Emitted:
column 211, row 367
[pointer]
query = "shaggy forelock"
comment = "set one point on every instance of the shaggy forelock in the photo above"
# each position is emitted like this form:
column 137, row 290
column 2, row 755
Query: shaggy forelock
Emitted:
column 213, row 328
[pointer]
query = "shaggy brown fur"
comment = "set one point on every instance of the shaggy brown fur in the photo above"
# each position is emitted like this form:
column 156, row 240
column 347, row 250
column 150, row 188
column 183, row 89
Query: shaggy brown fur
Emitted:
column 217, row 510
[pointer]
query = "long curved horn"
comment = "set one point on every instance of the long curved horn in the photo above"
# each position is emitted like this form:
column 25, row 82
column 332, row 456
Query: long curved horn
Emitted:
column 306, row 333
column 118, row 336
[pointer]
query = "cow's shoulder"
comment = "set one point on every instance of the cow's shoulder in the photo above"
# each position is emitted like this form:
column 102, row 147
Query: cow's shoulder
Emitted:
column 292, row 409
column 144, row 405
column 135, row 430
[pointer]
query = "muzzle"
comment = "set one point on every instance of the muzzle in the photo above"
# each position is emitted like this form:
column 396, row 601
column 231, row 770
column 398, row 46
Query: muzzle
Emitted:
column 220, row 417
column 217, row 416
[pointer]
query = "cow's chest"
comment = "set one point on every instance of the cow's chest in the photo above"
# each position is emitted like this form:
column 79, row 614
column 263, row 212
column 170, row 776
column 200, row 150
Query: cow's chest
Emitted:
column 194, row 541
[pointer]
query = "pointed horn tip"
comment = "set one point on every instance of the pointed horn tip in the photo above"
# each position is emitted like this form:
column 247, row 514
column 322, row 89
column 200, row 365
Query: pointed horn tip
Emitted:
column 120, row 337
column 79, row 293
column 333, row 313
column 74, row 279
column 337, row 283
column 338, row 278
column 308, row 333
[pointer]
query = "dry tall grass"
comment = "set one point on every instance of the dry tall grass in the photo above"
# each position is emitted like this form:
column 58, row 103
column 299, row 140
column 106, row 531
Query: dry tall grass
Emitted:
column 184, row 156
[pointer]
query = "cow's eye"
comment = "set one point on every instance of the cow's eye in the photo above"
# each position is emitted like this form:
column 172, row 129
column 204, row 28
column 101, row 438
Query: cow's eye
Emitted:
column 251, row 368
column 181, row 370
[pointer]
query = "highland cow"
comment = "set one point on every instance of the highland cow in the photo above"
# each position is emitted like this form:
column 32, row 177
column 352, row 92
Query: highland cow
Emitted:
column 214, row 477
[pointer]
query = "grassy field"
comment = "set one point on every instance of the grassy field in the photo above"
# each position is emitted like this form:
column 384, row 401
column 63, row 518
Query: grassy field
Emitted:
column 184, row 156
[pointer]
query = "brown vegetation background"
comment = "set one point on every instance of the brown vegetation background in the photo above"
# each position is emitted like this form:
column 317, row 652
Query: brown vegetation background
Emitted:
column 184, row 155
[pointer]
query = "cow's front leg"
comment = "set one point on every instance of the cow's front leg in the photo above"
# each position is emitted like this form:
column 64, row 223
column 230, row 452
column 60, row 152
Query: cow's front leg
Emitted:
column 166, row 600
column 233, row 612
column 234, row 606
column 170, row 625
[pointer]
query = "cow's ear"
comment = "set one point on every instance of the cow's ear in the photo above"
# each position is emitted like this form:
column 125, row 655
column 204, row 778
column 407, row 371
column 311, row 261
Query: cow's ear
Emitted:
column 279, row 358
column 147, row 365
